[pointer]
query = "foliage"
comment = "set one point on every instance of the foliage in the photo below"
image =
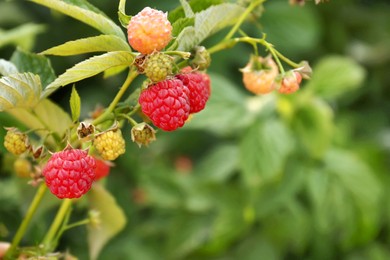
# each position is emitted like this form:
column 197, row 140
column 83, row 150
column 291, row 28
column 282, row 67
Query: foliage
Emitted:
column 250, row 177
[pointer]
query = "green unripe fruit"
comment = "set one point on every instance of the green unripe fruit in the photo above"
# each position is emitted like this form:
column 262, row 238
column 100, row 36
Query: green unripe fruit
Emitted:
column 158, row 66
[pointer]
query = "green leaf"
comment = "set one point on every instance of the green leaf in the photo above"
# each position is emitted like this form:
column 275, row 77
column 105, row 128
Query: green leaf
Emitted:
column 22, row 36
column 89, row 68
column 101, row 43
column 75, row 104
column 7, row 68
column 290, row 227
column 124, row 19
column 47, row 116
column 114, row 71
column 19, row 90
column 255, row 246
column 82, row 11
column 263, row 151
column 335, row 76
column 85, row 5
column 295, row 31
column 37, row 64
column 112, row 217
column 187, row 9
column 345, row 196
column 196, row 6
column 313, row 123
column 273, row 197
column 186, row 233
column 207, row 22
column 230, row 221
column 180, row 24
column 219, row 164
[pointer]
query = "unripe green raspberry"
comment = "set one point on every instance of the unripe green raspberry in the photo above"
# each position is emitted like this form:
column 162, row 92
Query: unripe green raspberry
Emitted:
column 158, row 66
column 110, row 144
column 15, row 142
column 143, row 134
column 201, row 58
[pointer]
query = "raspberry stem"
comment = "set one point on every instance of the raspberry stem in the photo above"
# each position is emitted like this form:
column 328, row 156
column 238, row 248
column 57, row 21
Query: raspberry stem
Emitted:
column 183, row 54
column 56, row 225
column 276, row 54
column 286, row 60
column 27, row 219
column 130, row 77
column 130, row 119
column 250, row 8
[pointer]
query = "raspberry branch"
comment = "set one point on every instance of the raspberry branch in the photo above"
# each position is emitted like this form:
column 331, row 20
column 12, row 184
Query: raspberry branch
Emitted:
column 242, row 18
column 26, row 221
column 49, row 242
column 130, row 77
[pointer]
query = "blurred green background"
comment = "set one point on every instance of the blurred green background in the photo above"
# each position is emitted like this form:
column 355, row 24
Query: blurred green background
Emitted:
column 304, row 176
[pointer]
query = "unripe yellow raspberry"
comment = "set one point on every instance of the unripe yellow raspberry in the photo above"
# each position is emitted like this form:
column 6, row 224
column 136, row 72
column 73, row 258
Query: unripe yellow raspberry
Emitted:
column 15, row 142
column 110, row 144
column 22, row 167
column 259, row 75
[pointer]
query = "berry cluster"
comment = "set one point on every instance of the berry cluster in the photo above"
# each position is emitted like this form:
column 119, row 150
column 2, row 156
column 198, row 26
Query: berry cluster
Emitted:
column 169, row 103
column 168, row 100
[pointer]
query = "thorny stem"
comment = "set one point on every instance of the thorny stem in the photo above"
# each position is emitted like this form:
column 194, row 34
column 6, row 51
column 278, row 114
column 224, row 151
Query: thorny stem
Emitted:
column 56, row 225
column 23, row 226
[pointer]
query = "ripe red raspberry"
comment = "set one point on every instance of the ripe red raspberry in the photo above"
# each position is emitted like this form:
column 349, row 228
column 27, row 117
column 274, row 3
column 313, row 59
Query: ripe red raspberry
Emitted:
column 259, row 75
column 199, row 87
column 290, row 83
column 149, row 31
column 102, row 169
column 69, row 173
column 166, row 104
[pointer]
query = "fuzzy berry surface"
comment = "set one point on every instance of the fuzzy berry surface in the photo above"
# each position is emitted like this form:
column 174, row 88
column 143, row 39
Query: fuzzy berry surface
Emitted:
column 15, row 142
column 199, row 88
column 69, row 173
column 149, row 30
column 110, row 144
column 158, row 66
column 166, row 104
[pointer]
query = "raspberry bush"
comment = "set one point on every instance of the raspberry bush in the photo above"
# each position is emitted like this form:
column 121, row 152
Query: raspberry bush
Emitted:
column 183, row 121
